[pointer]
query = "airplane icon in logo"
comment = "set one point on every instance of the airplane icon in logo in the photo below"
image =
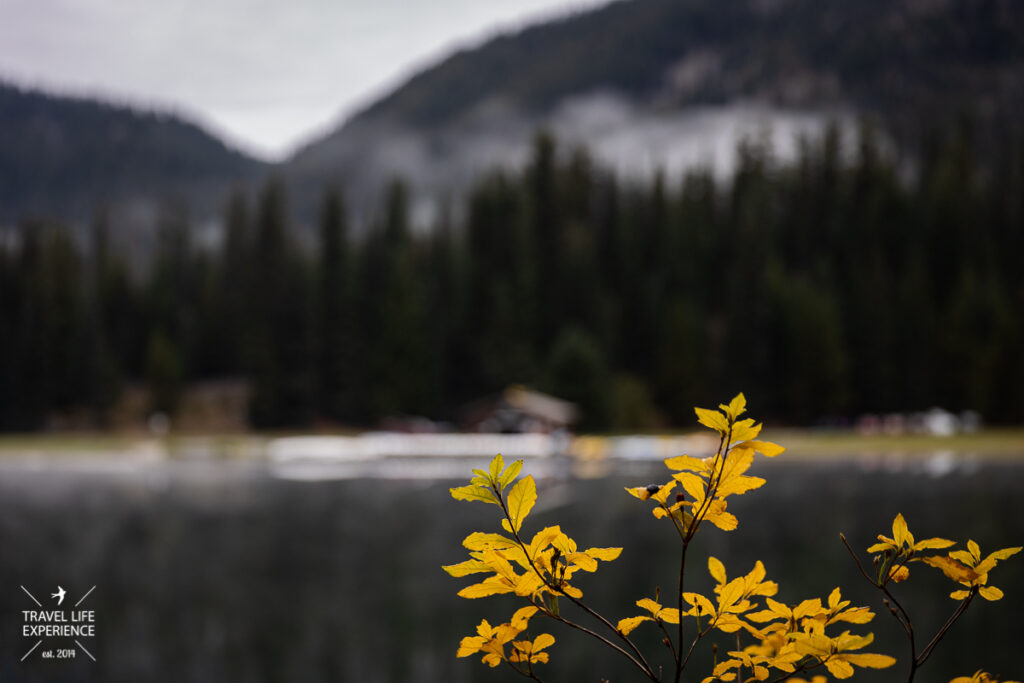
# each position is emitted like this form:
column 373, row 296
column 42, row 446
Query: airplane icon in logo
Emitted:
column 59, row 595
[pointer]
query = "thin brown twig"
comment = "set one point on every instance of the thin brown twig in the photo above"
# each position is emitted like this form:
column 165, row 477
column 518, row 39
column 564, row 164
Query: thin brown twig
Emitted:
column 678, row 655
column 639, row 661
column 856, row 559
column 961, row 608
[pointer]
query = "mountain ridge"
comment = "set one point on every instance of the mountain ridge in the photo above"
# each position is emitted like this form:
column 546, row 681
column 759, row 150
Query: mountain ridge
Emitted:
column 61, row 156
column 647, row 85
column 911, row 65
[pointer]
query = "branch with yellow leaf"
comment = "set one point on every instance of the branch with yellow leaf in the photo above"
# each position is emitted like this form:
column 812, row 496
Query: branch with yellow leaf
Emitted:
column 789, row 640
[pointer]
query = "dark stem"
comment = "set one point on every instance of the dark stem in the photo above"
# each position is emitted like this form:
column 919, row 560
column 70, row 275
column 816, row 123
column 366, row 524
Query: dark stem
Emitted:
column 638, row 660
column 799, row 670
column 671, row 646
column 682, row 575
column 528, row 672
column 873, row 582
column 961, row 608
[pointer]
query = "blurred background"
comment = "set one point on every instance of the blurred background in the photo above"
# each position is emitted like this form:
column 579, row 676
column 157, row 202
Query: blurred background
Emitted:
column 272, row 278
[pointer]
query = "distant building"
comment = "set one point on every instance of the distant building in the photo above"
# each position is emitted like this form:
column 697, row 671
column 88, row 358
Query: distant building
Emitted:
column 220, row 405
column 519, row 410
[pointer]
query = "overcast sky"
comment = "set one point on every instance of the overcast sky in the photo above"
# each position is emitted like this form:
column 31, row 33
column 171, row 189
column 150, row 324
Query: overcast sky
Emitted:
column 265, row 74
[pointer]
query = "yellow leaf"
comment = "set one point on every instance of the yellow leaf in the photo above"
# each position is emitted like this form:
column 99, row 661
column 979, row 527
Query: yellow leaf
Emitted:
column 871, row 661
column 744, row 430
column 959, row 595
column 528, row 583
column 900, row 533
column 499, row 564
column 975, row 550
column 986, row 565
column 497, row 465
column 542, row 641
column 737, row 406
column 478, row 540
column 510, row 473
column 470, row 645
column 732, row 480
column 726, row 521
column 583, row 561
column 473, row 493
column 990, row 593
column 933, row 544
column 712, row 419
column 703, row 605
column 849, row 641
column 813, row 644
column 627, row 625
column 641, row 492
column 729, row 623
column 686, row 462
column 838, row 668
column 544, row 538
column 466, row 568
column 739, row 485
column 1004, row 553
column 692, row 484
column 662, row 494
column 855, row 615
column 491, row 586
column 565, row 545
column 765, row 448
column 952, row 568
column 520, row 501
column 808, row 608
column 730, row 595
column 604, row 554
column 899, row 574
column 649, row 605
column 572, row 591
column 764, row 616
column 717, row 569
column 522, row 617
column 670, row 615
column 962, row 556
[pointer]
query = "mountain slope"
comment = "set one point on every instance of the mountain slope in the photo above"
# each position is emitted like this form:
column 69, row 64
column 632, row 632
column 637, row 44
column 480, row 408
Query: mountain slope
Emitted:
column 595, row 76
column 61, row 156
column 885, row 54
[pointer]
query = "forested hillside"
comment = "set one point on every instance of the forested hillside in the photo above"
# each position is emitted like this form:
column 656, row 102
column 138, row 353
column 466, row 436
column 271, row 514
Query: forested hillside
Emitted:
column 822, row 288
column 626, row 79
column 63, row 156
column 897, row 58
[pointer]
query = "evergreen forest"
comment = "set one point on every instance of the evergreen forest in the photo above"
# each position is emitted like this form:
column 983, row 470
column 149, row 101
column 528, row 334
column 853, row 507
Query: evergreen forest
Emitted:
column 848, row 280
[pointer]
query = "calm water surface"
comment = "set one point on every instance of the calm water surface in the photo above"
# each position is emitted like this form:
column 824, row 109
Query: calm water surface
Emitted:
column 214, row 571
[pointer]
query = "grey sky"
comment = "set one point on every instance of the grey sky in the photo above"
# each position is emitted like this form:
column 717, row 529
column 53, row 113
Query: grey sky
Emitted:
column 266, row 74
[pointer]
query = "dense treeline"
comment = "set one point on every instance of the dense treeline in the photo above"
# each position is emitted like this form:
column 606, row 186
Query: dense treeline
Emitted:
column 840, row 283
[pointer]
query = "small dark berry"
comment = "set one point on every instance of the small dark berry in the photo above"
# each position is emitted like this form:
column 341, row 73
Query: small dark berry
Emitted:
column 653, row 488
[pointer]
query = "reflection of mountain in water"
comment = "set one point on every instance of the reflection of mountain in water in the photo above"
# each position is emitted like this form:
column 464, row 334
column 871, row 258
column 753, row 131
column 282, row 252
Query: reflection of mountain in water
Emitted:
column 213, row 571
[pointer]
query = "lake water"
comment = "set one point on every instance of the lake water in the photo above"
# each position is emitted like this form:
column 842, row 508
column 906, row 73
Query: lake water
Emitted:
column 221, row 571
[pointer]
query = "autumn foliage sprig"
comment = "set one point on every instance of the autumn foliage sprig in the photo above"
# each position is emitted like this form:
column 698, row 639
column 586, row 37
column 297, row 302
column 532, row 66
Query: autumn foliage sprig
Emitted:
column 771, row 640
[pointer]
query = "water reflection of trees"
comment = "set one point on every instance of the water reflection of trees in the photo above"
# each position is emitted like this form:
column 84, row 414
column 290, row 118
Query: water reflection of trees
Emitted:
column 246, row 578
